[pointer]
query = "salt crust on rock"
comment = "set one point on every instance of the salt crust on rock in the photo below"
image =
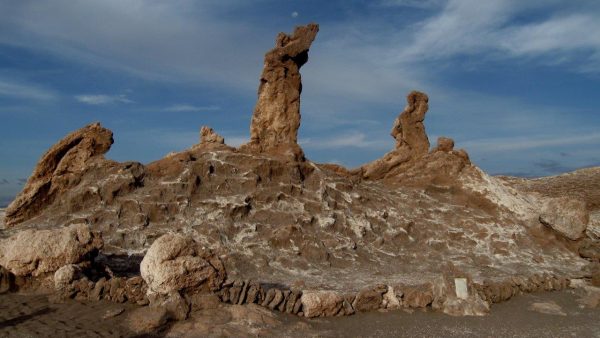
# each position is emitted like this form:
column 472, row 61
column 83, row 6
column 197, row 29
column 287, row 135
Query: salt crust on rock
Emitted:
column 175, row 263
column 35, row 252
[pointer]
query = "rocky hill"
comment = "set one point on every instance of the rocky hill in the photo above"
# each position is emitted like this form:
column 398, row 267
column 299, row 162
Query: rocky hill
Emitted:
column 406, row 223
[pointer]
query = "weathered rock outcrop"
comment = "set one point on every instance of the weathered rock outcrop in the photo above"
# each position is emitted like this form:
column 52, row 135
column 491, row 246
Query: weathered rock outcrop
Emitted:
column 409, row 129
column 321, row 303
column 36, row 252
column 410, row 136
column 458, row 297
column 176, row 263
column 58, row 170
column 208, row 135
column 567, row 216
column 276, row 117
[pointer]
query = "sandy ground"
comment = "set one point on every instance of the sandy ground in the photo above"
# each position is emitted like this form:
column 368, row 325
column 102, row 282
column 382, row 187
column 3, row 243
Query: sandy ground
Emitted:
column 34, row 316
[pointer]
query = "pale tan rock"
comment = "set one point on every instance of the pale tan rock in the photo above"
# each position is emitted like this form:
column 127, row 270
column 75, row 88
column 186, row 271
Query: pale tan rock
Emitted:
column 467, row 302
column 391, row 299
column 57, row 171
column 175, row 263
column 409, row 133
column 444, row 144
column 369, row 299
column 276, row 117
column 65, row 275
column 35, row 252
column 178, row 308
column 321, row 303
column 208, row 135
column 408, row 129
column 567, row 216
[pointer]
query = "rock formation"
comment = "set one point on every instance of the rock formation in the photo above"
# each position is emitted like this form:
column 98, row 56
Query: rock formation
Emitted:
column 568, row 216
column 175, row 263
column 208, row 135
column 281, row 226
column 410, row 136
column 408, row 129
column 59, row 169
column 36, row 252
column 276, row 117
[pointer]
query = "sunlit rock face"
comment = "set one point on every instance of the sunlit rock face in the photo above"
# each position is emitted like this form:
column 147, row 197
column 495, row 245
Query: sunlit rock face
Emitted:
column 276, row 117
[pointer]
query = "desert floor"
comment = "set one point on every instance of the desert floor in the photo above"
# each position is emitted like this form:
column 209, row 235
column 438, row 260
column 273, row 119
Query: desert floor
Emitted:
column 35, row 316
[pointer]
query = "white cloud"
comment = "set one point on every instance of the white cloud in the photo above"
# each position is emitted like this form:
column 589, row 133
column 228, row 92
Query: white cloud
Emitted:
column 489, row 28
column 423, row 4
column 294, row 14
column 25, row 91
column 491, row 145
column 190, row 108
column 356, row 139
column 100, row 99
column 168, row 41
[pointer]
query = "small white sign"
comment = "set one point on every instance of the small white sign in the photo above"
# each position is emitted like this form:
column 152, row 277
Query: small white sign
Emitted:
column 460, row 286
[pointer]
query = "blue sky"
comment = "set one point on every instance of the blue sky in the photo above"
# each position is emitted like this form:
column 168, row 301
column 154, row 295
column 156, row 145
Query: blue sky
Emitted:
column 516, row 83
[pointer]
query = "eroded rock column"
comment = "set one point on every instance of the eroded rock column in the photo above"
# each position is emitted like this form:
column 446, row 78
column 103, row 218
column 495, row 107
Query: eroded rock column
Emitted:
column 408, row 129
column 410, row 135
column 276, row 117
column 58, row 170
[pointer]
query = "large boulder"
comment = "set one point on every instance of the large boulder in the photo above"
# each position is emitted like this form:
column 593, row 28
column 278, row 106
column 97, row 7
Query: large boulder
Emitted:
column 321, row 303
column 36, row 252
column 458, row 297
column 178, row 263
column 58, row 170
column 369, row 299
column 276, row 117
column 567, row 216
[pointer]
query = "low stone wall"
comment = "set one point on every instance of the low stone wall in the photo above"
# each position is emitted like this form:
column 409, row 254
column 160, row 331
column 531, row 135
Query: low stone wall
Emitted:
column 322, row 303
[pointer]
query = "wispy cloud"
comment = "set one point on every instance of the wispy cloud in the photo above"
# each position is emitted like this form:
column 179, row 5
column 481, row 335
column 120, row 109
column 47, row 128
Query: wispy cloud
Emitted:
column 152, row 40
column 529, row 142
column 25, row 91
column 355, row 139
column 190, row 108
column 494, row 29
column 99, row 99
column 4, row 181
column 423, row 4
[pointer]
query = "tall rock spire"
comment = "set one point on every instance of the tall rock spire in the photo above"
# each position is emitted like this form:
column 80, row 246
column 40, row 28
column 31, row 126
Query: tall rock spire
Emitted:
column 276, row 117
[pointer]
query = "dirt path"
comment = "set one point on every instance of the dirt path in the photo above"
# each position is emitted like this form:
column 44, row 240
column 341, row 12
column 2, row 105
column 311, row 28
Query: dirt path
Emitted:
column 509, row 319
column 34, row 316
